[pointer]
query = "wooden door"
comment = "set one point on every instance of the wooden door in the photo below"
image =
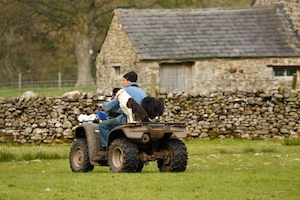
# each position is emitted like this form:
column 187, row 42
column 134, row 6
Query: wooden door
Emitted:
column 176, row 76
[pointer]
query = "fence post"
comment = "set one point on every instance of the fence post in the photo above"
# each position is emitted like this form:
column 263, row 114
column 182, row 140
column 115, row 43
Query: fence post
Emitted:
column 59, row 80
column 20, row 81
column 294, row 83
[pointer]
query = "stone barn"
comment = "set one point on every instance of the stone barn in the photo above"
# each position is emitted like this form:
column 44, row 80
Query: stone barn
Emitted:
column 203, row 50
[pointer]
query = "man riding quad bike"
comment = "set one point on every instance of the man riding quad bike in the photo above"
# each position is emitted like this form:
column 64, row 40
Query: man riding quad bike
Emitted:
column 130, row 147
column 126, row 144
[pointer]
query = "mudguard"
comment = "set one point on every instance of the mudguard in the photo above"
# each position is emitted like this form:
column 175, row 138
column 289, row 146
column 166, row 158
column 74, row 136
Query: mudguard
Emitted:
column 91, row 132
column 154, row 130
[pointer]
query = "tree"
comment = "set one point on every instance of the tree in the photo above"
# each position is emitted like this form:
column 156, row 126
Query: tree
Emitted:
column 13, row 32
column 84, row 20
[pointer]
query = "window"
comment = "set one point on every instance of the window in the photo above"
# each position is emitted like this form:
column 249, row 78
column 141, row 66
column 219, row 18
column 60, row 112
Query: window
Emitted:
column 284, row 71
column 117, row 67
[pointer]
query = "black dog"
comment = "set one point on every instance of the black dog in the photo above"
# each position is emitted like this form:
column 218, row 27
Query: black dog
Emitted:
column 153, row 106
column 134, row 112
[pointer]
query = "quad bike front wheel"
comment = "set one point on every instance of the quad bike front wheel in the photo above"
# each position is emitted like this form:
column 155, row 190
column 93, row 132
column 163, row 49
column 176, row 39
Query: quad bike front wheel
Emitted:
column 79, row 156
column 123, row 156
column 176, row 161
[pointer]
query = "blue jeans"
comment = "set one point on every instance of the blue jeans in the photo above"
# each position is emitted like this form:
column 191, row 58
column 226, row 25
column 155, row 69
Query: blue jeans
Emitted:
column 107, row 125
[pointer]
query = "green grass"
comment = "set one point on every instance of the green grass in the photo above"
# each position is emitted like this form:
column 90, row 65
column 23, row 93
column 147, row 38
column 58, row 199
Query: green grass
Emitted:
column 217, row 169
column 6, row 156
column 14, row 92
column 27, row 152
column 291, row 141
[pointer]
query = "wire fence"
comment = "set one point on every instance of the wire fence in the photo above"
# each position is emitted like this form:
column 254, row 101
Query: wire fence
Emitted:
column 43, row 84
column 47, row 88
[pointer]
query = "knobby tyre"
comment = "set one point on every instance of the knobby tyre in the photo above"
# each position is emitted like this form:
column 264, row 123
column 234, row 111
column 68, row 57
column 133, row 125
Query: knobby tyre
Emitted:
column 177, row 158
column 79, row 156
column 123, row 156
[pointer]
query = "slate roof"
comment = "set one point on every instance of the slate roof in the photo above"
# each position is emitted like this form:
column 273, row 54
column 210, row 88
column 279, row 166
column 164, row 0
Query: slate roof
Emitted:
column 256, row 31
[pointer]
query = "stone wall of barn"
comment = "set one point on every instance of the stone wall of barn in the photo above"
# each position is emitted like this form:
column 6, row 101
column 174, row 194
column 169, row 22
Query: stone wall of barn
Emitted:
column 210, row 75
column 115, row 51
column 33, row 118
column 292, row 7
column 240, row 74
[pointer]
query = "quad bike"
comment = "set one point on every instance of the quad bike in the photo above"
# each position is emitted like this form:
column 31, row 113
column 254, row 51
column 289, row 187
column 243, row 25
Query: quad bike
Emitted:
column 130, row 147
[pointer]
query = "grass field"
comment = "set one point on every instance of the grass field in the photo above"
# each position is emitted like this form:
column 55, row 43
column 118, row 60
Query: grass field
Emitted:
column 217, row 169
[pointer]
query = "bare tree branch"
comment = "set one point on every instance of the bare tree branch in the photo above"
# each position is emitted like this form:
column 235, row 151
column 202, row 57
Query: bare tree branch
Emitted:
column 51, row 11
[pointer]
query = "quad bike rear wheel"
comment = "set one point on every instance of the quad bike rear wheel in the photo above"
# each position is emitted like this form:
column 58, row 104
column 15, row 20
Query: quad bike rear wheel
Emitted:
column 123, row 156
column 79, row 156
column 176, row 161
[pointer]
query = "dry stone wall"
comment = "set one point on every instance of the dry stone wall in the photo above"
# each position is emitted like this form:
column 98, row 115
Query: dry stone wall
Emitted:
column 242, row 114
column 33, row 118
